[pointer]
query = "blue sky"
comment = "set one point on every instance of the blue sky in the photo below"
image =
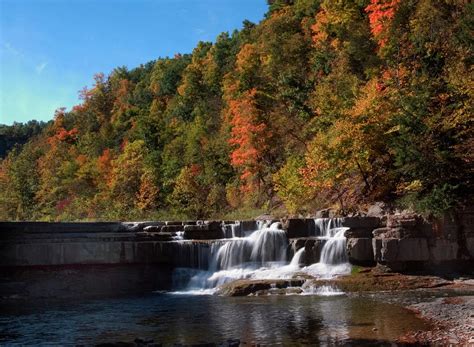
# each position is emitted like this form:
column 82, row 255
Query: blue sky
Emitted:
column 50, row 49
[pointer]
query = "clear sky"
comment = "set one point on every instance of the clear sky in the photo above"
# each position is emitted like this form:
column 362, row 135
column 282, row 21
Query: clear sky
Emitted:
column 50, row 49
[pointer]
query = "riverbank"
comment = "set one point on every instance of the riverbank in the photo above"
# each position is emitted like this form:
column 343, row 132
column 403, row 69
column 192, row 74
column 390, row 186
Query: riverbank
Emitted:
column 446, row 303
column 451, row 318
column 361, row 280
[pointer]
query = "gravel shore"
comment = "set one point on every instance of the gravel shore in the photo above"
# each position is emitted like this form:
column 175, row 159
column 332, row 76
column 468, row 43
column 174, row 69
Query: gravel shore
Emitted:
column 452, row 319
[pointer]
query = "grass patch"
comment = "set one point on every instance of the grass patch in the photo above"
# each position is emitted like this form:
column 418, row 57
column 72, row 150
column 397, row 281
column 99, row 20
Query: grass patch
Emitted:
column 356, row 269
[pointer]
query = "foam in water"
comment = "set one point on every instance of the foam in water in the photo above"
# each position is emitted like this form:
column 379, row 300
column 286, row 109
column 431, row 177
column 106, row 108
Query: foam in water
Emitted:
column 321, row 291
column 262, row 254
column 178, row 236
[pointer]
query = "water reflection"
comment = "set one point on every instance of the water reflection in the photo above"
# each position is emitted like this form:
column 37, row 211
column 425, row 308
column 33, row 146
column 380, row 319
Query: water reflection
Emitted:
column 179, row 319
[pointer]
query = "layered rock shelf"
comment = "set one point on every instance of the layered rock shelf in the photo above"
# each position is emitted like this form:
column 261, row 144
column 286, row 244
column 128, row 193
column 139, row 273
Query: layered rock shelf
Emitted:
column 402, row 242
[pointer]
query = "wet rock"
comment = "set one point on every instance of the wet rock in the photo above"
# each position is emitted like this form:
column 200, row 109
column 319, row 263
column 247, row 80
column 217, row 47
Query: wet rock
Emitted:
column 231, row 343
column 206, row 231
column 247, row 287
column 358, row 233
column 248, row 225
column 152, row 228
column 299, row 227
column 171, row 228
column 312, row 249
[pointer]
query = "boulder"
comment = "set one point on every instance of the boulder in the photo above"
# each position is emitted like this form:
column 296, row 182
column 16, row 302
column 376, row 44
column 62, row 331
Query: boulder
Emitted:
column 323, row 213
column 246, row 287
column 360, row 222
column 360, row 251
column 378, row 210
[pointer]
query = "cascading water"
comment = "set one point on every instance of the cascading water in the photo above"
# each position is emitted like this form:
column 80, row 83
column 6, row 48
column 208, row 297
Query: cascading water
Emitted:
column 262, row 254
column 334, row 250
column 296, row 260
column 326, row 227
column 333, row 260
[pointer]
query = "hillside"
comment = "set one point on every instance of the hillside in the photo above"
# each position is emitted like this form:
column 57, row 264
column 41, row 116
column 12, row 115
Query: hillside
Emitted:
column 18, row 134
column 322, row 103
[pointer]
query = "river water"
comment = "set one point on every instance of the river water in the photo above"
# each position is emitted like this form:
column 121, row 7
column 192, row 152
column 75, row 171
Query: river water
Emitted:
column 182, row 319
column 319, row 316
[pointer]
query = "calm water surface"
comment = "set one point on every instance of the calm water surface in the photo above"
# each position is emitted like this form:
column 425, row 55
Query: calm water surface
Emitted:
column 184, row 319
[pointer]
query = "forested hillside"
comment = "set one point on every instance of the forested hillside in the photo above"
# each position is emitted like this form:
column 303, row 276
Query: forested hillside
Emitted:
column 323, row 103
column 18, row 134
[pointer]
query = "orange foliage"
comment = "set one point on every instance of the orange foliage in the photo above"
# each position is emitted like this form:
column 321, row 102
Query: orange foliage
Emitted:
column 246, row 135
column 81, row 159
column 319, row 28
column 121, row 103
column 104, row 164
column 247, row 58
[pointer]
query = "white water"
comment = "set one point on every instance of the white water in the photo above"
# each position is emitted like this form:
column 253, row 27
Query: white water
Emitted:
column 262, row 254
column 296, row 260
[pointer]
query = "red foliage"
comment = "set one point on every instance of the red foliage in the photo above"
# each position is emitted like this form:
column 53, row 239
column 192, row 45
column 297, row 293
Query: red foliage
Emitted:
column 195, row 170
column 67, row 136
column 62, row 204
column 381, row 13
column 63, row 135
column 79, row 108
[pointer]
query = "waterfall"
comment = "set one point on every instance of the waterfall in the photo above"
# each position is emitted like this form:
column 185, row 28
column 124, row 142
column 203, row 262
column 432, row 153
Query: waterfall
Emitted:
column 262, row 254
column 333, row 260
column 262, row 246
column 334, row 250
column 296, row 260
column 326, row 227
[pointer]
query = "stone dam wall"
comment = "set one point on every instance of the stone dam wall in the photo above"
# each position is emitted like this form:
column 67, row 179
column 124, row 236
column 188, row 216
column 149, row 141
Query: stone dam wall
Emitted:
column 403, row 242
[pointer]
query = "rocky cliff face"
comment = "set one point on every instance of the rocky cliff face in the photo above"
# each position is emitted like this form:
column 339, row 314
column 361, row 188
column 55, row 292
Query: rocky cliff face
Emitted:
column 402, row 242
column 406, row 241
